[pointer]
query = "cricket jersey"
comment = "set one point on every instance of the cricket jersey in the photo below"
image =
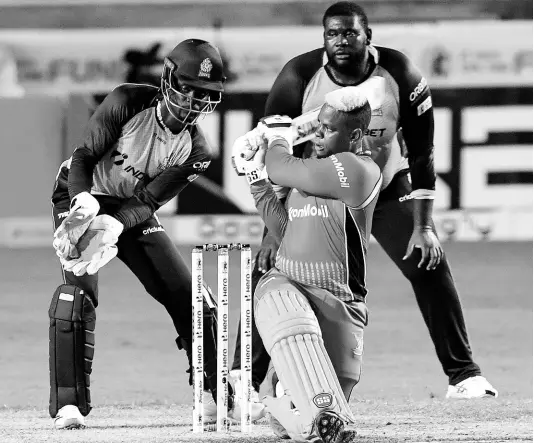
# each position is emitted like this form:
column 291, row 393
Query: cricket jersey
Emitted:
column 405, row 103
column 325, row 224
column 127, row 154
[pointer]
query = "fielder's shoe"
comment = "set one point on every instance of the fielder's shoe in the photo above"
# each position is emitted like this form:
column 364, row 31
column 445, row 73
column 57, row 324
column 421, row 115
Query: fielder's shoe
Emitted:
column 257, row 408
column 472, row 387
column 69, row 417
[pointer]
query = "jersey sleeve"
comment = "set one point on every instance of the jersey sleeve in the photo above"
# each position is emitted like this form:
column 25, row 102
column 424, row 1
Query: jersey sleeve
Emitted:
column 270, row 208
column 167, row 185
column 416, row 117
column 101, row 133
column 346, row 176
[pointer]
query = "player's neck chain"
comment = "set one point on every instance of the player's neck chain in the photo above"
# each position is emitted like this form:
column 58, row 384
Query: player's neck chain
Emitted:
column 161, row 122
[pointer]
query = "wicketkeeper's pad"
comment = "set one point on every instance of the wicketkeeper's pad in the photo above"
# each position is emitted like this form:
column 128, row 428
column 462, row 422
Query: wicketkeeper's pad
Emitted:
column 292, row 336
column 71, row 348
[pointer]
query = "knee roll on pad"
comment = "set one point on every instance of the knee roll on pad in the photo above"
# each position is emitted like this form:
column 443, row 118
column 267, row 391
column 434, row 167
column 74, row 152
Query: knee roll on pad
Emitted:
column 71, row 348
column 292, row 336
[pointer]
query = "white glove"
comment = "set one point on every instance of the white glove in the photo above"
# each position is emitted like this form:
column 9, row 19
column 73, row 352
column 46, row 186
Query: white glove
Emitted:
column 275, row 127
column 83, row 210
column 254, row 169
column 96, row 247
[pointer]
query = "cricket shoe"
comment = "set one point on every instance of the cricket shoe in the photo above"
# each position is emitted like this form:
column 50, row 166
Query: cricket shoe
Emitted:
column 472, row 387
column 257, row 408
column 210, row 409
column 274, row 389
column 69, row 417
column 330, row 428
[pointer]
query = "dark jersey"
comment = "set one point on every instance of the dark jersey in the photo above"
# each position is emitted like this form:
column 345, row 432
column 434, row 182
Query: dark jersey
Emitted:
column 127, row 154
column 406, row 103
column 325, row 224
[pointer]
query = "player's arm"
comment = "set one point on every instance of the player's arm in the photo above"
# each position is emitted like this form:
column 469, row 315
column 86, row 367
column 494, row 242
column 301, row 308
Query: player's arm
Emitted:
column 343, row 176
column 165, row 186
column 270, row 208
column 417, row 122
column 102, row 131
column 285, row 97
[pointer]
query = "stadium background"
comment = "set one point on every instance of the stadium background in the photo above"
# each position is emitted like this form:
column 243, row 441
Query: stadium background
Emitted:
column 57, row 60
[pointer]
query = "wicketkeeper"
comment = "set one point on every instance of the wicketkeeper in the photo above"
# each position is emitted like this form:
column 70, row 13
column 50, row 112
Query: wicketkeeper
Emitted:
column 141, row 148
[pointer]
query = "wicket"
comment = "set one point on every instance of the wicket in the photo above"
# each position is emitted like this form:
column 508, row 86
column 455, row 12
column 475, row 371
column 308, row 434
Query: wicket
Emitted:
column 222, row 335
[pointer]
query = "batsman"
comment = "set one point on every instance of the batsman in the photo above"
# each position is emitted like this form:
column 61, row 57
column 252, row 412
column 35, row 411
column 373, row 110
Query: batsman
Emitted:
column 310, row 308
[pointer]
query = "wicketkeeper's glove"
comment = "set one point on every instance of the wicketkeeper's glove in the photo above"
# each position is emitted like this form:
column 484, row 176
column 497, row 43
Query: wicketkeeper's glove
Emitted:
column 83, row 210
column 96, row 247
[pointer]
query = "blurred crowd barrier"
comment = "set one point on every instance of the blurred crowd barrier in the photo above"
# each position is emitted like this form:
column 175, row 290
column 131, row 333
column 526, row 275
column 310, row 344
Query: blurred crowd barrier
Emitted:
column 480, row 74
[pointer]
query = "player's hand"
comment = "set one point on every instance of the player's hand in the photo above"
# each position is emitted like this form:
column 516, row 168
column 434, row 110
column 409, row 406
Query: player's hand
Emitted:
column 275, row 127
column 431, row 250
column 255, row 169
column 97, row 246
column 245, row 148
column 83, row 210
column 266, row 257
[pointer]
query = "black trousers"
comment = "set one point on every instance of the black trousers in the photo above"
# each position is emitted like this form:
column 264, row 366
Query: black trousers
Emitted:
column 435, row 291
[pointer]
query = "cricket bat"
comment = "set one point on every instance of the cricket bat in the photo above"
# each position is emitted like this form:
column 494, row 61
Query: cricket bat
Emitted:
column 304, row 126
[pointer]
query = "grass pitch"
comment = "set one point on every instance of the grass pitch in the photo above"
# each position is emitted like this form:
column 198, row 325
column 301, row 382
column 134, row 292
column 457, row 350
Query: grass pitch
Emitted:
column 139, row 385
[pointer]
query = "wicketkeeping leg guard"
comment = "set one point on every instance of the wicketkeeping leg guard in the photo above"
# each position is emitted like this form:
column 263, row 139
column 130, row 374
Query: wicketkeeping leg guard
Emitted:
column 292, row 336
column 71, row 340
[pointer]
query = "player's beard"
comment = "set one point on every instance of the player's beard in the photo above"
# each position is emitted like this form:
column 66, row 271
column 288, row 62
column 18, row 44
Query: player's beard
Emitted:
column 349, row 66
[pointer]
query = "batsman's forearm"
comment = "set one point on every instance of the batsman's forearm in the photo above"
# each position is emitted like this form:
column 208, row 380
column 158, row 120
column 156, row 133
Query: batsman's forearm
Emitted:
column 422, row 215
column 271, row 210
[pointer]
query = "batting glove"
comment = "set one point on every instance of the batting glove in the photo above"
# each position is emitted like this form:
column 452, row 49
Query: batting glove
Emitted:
column 276, row 127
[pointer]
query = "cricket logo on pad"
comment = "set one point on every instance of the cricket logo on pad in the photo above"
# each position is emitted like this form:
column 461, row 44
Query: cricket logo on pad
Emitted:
column 323, row 400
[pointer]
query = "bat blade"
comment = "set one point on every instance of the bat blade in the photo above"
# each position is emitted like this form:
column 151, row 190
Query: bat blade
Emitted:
column 304, row 126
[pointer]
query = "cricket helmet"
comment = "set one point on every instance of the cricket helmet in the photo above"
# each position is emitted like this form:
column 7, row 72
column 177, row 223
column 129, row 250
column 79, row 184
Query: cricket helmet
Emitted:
column 198, row 64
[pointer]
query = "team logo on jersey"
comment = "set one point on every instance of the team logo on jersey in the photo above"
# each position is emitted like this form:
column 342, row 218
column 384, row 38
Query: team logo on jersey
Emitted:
column 308, row 211
column 205, row 68
column 118, row 157
column 343, row 180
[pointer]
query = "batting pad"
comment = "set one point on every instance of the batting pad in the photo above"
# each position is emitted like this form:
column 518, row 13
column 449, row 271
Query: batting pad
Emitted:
column 71, row 348
column 292, row 336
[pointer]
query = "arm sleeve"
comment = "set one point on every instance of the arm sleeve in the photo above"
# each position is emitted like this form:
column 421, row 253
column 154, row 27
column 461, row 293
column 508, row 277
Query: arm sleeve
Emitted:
column 287, row 92
column 101, row 133
column 167, row 185
column 270, row 208
column 345, row 176
column 416, row 117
